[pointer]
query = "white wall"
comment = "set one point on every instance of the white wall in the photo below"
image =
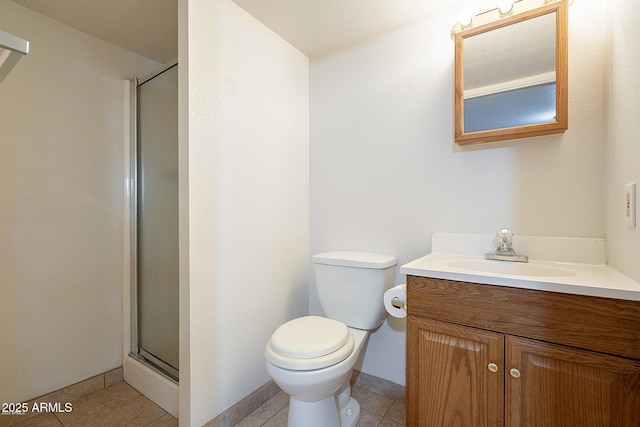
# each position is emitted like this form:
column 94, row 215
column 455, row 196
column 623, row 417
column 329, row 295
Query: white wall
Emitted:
column 385, row 172
column 244, row 267
column 623, row 147
column 60, row 206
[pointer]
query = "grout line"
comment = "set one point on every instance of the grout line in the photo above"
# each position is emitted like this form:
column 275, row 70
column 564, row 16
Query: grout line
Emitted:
column 155, row 419
column 59, row 420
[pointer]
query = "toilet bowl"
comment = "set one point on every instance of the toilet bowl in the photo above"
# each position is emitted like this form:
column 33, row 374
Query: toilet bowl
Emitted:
column 319, row 387
column 311, row 358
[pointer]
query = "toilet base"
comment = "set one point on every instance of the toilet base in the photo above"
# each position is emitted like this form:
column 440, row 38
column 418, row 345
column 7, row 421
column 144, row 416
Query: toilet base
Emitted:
column 350, row 414
column 321, row 397
column 323, row 413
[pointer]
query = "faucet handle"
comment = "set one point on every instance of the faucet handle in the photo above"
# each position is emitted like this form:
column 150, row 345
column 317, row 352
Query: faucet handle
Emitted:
column 505, row 239
column 505, row 232
column 505, row 251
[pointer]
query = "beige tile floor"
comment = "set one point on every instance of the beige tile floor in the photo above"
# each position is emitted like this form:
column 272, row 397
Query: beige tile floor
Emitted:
column 120, row 405
column 376, row 411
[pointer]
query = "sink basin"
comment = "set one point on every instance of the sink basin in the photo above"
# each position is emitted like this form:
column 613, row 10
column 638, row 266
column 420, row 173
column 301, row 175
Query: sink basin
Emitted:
column 511, row 268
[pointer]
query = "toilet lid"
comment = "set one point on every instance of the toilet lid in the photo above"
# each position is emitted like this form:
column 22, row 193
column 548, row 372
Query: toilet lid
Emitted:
column 309, row 343
column 309, row 337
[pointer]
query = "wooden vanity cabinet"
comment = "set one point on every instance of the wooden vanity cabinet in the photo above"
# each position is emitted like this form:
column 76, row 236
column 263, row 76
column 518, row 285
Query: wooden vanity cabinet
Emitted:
column 448, row 382
column 482, row 355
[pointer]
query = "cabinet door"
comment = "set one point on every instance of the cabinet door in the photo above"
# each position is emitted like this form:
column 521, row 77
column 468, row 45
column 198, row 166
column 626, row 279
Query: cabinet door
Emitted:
column 561, row 386
column 449, row 382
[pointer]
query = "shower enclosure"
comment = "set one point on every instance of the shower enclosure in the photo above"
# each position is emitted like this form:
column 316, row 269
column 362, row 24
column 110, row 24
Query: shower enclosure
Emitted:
column 154, row 222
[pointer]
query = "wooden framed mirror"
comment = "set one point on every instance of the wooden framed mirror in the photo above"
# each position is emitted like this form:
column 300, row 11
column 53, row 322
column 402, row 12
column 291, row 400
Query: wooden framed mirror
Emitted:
column 511, row 77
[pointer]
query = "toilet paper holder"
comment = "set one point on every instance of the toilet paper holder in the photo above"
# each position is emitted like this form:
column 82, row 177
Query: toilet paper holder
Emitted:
column 398, row 303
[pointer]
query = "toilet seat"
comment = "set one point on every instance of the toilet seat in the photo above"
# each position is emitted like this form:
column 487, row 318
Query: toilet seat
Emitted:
column 309, row 343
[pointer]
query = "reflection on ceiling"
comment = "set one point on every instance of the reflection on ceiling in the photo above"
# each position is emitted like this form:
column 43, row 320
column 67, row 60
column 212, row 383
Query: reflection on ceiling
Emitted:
column 511, row 53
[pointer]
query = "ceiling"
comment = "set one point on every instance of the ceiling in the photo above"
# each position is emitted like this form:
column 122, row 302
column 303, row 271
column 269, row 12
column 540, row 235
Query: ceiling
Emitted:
column 315, row 27
column 146, row 27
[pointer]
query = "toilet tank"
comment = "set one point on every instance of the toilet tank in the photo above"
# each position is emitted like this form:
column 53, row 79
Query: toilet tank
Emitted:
column 351, row 286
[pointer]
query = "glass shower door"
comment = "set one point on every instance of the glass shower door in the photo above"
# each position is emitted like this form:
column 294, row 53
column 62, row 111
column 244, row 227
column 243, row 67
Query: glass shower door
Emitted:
column 156, row 245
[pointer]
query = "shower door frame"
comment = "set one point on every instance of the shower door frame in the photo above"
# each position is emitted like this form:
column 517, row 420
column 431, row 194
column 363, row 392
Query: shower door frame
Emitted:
column 136, row 352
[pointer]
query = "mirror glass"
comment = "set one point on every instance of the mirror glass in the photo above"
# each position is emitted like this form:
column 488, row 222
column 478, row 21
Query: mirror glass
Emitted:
column 511, row 77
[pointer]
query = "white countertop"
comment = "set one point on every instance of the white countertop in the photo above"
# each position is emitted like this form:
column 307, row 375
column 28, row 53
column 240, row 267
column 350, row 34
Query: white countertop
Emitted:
column 566, row 277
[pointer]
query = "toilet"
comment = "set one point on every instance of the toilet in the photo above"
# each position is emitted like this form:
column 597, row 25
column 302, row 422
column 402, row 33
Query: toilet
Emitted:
column 311, row 358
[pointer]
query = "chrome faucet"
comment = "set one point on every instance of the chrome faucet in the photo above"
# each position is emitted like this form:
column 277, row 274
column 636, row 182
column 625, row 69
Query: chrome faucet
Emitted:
column 505, row 251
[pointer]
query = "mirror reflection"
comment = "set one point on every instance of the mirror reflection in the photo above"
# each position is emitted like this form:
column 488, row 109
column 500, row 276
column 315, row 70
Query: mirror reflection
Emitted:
column 511, row 77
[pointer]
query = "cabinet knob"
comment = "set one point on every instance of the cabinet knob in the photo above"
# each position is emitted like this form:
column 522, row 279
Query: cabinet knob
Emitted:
column 514, row 373
column 492, row 367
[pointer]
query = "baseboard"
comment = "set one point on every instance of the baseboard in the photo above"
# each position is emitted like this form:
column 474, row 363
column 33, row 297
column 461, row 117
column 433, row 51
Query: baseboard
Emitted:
column 243, row 408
